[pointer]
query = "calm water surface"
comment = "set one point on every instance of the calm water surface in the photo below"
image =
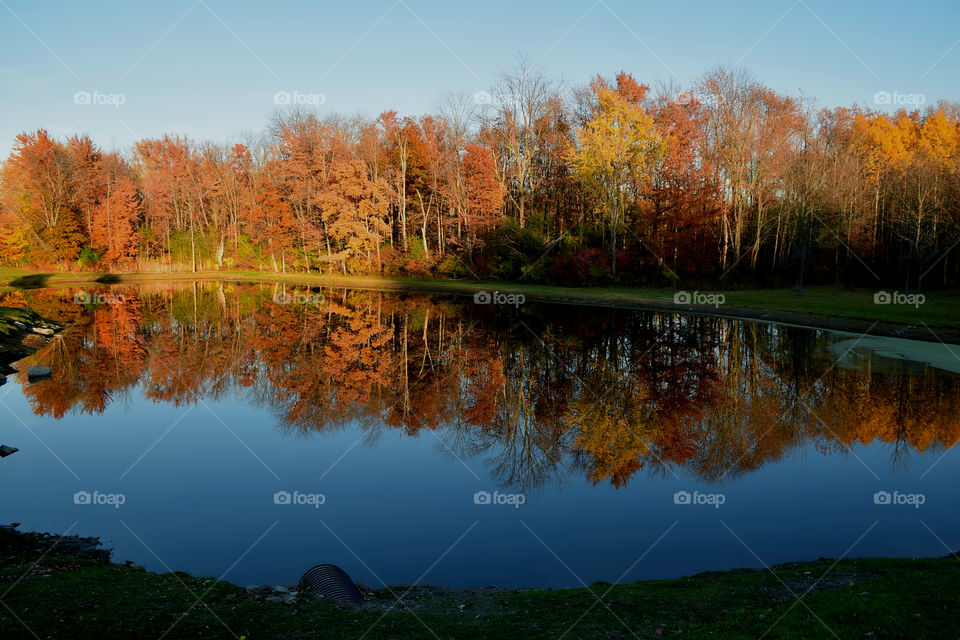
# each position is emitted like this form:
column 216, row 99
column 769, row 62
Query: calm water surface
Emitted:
column 251, row 432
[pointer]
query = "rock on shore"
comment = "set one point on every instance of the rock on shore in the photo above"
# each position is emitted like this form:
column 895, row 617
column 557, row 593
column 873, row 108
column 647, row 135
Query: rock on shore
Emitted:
column 22, row 331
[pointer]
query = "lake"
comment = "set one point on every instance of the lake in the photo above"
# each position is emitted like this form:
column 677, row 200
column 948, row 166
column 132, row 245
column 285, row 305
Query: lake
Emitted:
column 251, row 431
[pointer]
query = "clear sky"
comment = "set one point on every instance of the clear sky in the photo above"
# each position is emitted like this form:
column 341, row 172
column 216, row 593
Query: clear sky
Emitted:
column 210, row 68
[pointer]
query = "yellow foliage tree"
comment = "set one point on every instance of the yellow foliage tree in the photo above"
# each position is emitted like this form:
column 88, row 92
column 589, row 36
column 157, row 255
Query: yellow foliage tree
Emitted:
column 613, row 155
column 13, row 244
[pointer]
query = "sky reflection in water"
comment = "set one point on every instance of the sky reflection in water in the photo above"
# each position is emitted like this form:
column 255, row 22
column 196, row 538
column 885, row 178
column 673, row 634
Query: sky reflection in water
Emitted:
column 199, row 403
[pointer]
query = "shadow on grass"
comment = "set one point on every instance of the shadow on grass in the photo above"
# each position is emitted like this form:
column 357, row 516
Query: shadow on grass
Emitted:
column 33, row 281
column 109, row 278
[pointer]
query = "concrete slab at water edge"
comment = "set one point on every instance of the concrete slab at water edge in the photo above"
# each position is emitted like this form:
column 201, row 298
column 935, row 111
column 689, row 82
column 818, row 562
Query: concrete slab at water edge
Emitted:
column 894, row 355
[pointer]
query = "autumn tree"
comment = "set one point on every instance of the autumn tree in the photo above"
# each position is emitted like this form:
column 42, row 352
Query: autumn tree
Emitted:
column 484, row 193
column 354, row 212
column 114, row 222
column 750, row 131
column 37, row 192
column 683, row 201
column 613, row 156
column 168, row 173
column 399, row 131
column 527, row 103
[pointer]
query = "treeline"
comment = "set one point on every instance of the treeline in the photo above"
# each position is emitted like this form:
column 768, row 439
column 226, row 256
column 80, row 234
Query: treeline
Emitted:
column 713, row 397
column 729, row 181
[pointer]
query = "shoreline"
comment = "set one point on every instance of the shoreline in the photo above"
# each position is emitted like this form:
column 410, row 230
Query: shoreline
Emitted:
column 67, row 587
column 22, row 332
column 851, row 311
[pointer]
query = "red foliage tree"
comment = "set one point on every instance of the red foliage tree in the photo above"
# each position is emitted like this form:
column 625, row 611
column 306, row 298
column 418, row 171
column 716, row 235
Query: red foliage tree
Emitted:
column 484, row 193
column 114, row 222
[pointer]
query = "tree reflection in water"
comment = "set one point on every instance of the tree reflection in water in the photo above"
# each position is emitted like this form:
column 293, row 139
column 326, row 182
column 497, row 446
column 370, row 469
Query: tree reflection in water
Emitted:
column 534, row 393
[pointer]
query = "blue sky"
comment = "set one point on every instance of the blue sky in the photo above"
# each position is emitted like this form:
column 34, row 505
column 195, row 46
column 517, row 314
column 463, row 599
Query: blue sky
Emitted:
column 210, row 68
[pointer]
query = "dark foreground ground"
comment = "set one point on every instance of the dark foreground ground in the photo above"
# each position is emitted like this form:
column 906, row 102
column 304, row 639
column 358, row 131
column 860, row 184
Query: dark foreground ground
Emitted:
column 52, row 587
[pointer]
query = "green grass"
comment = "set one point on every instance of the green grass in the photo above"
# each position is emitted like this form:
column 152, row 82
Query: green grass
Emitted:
column 939, row 310
column 68, row 596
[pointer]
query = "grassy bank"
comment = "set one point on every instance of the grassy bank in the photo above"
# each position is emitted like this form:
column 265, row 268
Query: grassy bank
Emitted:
column 853, row 309
column 72, row 592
